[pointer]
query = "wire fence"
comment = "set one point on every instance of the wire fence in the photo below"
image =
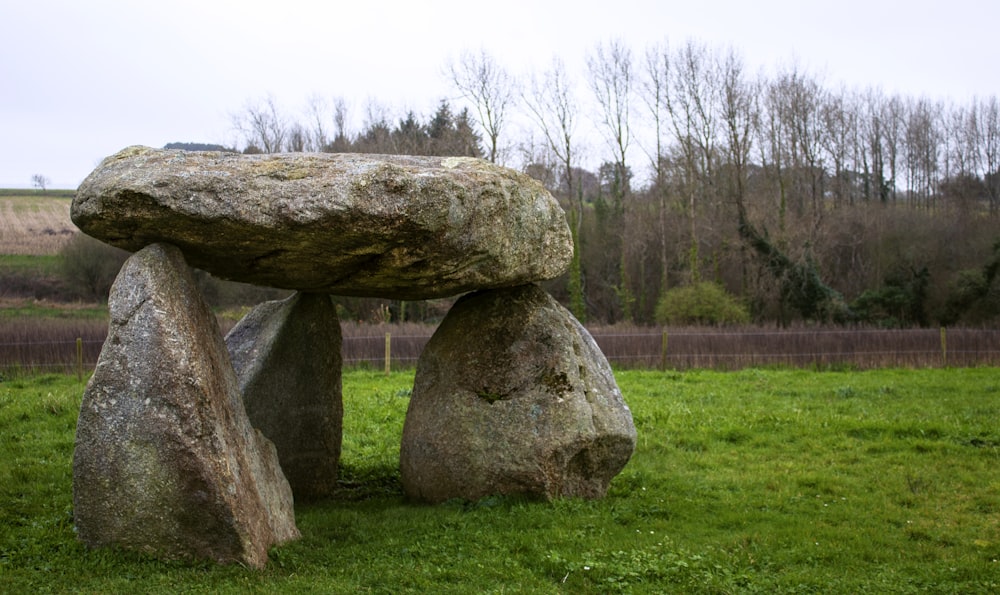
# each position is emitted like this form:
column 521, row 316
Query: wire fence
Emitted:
column 815, row 348
column 389, row 347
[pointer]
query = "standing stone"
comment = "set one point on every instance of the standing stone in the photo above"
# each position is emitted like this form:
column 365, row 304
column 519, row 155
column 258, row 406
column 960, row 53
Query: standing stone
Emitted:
column 166, row 461
column 391, row 226
column 513, row 396
column 287, row 358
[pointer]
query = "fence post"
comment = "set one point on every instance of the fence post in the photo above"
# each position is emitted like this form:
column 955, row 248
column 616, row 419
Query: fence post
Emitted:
column 663, row 351
column 388, row 353
column 79, row 359
column 944, row 347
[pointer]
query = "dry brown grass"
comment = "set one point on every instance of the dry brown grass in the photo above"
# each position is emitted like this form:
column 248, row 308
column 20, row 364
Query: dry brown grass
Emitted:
column 30, row 344
column 364, row 344
column 50, row 344
column 804, row 347
column 35, row 225
column 33, row 345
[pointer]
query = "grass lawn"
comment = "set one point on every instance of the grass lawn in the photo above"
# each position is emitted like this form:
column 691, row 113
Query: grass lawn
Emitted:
column 776, row 481
column 36, row 264
column 29, row 311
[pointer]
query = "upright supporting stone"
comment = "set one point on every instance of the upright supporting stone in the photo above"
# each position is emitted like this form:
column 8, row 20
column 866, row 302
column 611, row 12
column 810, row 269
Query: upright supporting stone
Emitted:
column 513, row 396
column 166, row 461
column 287, row 358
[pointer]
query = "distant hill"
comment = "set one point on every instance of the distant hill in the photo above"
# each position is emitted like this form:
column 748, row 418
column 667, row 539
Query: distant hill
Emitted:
column 198, row 147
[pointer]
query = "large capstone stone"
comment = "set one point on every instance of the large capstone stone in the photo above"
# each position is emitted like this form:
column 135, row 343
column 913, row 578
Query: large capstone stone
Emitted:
column 166, row 461
column 360, row 225
column 513, row 396
column 287, row 358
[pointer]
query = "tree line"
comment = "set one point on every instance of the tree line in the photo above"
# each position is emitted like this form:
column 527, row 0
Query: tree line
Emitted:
column 721, row 194
column 264, row 128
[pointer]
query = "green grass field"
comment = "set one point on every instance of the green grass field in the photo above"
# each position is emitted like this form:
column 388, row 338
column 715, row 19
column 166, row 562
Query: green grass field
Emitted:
column 35, row 193
column 34, row 310
column 776, row 481
column 45, row 264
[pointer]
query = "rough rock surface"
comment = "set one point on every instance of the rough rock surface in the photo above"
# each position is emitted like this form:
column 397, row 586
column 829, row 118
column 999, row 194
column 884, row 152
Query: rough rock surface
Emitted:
column 287, row 359
column 513, row 396
column 166, row 460
column 362, row 225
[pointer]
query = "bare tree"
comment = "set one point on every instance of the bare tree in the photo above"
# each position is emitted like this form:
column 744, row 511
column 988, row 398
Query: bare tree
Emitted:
column 337, row 115
column 740, row 114
column 611, row 80
column 989, row 147
column 739, row 110
column 262, row 126
column 551, row 105
column 774, row 151
column 893, row 119
column 298, row 139
column 39, row 181
column 340, row 134
column 923, row 140
column 540, row 162
column 653, row 89
column 801, row 99
column 377, row 133
column 317, row 111
column 491, row 88
column 872, row 149
column 692, row 102
column 970, row 158
column 838, row 116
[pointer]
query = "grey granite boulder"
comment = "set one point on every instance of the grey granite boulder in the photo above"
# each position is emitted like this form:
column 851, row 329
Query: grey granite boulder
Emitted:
column 166, row 461
column 361, row 225
column 513, row 396
column 286, row 355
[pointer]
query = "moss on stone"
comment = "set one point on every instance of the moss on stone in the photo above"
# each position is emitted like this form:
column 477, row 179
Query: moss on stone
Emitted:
column 284, row 170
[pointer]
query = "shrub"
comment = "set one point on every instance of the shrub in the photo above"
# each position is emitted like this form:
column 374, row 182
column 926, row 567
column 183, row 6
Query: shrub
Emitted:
column 702, row 303
column 89, row 266
column 900, row 302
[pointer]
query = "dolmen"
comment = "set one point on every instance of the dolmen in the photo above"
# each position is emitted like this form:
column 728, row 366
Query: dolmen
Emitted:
column 194, row 445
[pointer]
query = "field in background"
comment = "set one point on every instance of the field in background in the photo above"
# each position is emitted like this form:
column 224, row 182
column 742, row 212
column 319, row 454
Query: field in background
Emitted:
column 35, row 223
column 759, row 481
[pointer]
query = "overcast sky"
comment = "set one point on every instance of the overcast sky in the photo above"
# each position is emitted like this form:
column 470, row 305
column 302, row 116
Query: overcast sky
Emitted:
column 81, row 79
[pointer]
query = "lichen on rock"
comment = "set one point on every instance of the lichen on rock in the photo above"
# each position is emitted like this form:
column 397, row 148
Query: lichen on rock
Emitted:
column 513, row 396
column 166, row 461
column 390, row 226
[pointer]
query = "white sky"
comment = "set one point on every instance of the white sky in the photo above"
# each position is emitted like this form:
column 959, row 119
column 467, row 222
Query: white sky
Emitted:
column 81, row 79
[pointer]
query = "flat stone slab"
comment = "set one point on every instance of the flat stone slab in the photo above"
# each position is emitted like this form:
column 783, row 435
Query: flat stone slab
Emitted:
column 395, row 227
